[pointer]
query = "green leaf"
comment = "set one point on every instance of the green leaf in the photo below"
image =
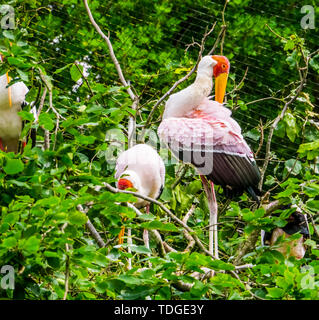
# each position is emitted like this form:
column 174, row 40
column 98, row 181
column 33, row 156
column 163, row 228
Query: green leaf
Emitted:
column 46, row 121
column 311, row 190
column 23, row 75
column 13, row 166
column 31, row 245
column 308, row 146
column 221, row 265
column 293, row 166
column 9, row 242
column 85, row 139
column 75, row 73
column 291, row 126
column 63, row 68
column 129, row 279
column 77, row 217
column 313, row 205
column 8, row 34
column 275, row 293
column 140, row 249
column 253, row 134
column 159, row 226
column 26, row 115
column 290, row 44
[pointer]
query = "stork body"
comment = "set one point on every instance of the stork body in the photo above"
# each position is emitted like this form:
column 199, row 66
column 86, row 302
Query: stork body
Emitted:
column 11, row 101
column 141, row 168
column 201, row 132
column 212, row 141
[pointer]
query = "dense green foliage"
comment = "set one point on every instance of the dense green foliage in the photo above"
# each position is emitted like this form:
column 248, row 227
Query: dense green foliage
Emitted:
column 52, row 46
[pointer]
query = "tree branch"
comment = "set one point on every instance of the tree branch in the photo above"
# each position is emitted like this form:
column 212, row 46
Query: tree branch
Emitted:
column 111, row 52
column 178, row 82
column 176, row 219
column 91, row 228
column 303, row 77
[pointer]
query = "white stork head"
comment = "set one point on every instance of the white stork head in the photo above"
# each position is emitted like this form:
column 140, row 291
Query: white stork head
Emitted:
column 205, row 66
column 129, row 179
column 217, row 66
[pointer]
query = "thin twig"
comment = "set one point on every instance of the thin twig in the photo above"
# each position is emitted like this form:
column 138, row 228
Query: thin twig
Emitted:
column 263, row 99
column 85, row 79
column 178, row 82
column 180, row 177
column 261, row 141
column 276, row 121
column 111, row 52
column 91, row 228
column 186, row 234
column 67, row 266
column 237, row 87
column 155, row 233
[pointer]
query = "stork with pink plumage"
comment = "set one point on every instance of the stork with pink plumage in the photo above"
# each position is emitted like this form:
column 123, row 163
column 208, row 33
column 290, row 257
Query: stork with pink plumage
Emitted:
column 201, row 132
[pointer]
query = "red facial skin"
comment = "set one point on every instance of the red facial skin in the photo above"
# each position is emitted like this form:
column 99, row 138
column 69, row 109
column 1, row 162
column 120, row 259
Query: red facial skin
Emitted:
column 124, row 184
column 222, row 65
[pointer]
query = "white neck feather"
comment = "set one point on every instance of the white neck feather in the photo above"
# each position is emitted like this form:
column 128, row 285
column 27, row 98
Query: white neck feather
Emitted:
column 132, row 176
column 184, row 101
column 188, row 99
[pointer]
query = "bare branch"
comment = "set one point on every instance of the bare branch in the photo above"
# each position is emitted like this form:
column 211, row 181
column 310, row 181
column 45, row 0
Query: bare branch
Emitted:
column 111, row 52
column 261, row 141
column 263, row 99
column 239, row 84
column 178, row 82
column 42, row 101
column 303, row 77
column 180, row 177
column 91, row 228
column 67, row 266
column 186, row 234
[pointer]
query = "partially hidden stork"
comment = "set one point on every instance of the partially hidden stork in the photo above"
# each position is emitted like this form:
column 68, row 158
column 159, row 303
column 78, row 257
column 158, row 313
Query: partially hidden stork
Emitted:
column 141, row 168
column 296, row 222
column 201, row 131
column 11, row 101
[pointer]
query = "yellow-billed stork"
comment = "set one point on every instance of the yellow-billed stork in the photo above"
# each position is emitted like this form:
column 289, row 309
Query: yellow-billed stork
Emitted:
column 201, row 131
column 11, row 101
column 141, row 168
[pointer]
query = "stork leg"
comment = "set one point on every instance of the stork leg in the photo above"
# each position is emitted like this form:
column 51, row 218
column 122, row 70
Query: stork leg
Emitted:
column 215, row 219
column 146, row 235
column 145, row 232
column 213, row 211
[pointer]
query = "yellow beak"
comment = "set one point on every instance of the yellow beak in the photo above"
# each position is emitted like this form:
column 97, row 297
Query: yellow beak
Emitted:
column 220, row 87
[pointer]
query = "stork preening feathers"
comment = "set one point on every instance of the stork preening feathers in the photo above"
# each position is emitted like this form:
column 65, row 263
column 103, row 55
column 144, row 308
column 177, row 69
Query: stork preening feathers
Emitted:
column 141, row 168
column 201, row 132
column 11, row 101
